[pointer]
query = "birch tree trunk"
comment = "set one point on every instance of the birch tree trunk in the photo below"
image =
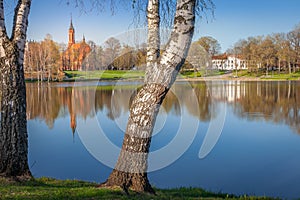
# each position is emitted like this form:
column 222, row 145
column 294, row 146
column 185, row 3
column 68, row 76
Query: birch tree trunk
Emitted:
column 13, row 133
column 130, row 171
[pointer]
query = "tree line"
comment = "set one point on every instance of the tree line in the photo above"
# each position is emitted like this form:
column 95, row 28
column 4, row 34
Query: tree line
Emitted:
column 43, row 60
column 277, row 51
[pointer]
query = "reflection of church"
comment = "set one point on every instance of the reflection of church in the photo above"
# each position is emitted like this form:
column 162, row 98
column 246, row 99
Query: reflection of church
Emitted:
column 75, row 54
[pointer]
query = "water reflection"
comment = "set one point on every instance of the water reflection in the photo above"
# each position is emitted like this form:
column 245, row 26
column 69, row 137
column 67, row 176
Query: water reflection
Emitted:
column 264, row 115
column 277, row 102
column 271, row 101
column 49, row 102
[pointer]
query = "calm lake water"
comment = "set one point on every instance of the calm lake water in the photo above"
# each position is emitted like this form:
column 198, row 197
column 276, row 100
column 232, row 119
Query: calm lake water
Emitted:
column 252, row 130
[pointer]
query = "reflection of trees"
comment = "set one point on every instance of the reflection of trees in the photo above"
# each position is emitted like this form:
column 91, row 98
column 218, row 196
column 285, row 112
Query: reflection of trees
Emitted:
column 274, row 101
column 42, row 103
column 48, row 102
column 203, row 101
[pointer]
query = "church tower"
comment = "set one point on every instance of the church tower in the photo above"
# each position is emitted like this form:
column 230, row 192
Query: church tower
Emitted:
column 71, row 34
column 74, row 55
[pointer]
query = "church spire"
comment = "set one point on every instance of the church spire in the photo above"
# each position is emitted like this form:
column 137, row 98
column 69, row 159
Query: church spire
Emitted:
column 71, row 33
column 83, row 39
column 71, row 25
column 71, row 22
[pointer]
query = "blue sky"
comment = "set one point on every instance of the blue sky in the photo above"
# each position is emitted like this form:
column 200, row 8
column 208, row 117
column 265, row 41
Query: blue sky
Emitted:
column 234, row 20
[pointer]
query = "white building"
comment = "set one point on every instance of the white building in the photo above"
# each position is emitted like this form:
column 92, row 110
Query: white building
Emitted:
column 228, row 62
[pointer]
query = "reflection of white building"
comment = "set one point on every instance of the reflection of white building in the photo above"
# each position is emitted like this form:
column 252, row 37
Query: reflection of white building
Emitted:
column 228, row 62
column 230, row 91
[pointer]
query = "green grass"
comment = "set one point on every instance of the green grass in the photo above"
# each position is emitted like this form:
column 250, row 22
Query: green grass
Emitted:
column 241, row 73
column 46, row 188
column 276, row 76
column 202, row 73
column 191, row 74
column 106, row 75
column 138, row 75
column 271, row 75
column 109, row 87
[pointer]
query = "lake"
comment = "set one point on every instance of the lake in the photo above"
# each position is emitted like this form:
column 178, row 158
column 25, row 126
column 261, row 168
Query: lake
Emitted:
column 224, row 136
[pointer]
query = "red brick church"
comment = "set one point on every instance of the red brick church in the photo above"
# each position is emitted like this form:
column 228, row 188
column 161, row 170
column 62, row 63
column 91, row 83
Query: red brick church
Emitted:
column 75, row 54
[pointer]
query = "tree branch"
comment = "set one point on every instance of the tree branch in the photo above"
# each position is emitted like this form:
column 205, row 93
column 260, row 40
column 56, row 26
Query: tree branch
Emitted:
column 177, row 48
column 21, row 22
column 153, row 48
column 20, row 27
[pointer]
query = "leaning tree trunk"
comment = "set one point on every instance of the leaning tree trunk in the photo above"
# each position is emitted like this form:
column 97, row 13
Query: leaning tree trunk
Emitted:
column 130, row 171
column 13, row 130
column 131, row 168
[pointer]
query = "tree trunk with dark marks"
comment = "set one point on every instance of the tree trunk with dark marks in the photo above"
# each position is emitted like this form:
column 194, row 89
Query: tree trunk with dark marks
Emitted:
column 13, row 130
column 13, row 136
column 130, row 171
column 131, row 168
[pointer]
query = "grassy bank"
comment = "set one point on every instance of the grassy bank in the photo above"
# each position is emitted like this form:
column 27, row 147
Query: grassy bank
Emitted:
column 273, row 76
column 45, row 188
column 285, row 77
column 201, row 73
column 130, row 74
column 113, row 75
column 104, row 75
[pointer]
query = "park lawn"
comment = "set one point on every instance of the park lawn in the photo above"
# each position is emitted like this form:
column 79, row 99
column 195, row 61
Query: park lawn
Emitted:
column 241, row 73
column 47, row 188
column 284, row 77
column 190, row 74
column 271, row 75
column 106, row 74
column 201, row 73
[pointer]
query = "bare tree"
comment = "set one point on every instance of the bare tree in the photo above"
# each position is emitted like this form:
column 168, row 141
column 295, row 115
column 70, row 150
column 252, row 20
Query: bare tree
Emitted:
column 112, row 51
column 127, row 58
column 210, row 44
column 294, row 38
column 13, row 136
column 267, row 52
column 198, row 57
column 283, row 49
column 43, row 58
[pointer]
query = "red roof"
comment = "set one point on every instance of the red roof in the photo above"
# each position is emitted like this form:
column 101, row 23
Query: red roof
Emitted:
column 220, row 57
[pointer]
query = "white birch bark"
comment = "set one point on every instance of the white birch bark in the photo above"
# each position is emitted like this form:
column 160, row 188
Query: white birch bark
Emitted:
column 20, row 27
column 153, row 40
column 172, row 59
column 13, row 130
column 131, row 168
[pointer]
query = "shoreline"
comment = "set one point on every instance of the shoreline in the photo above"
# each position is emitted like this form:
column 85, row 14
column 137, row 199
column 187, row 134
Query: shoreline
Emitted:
column 230, row 77
column 224, row 77
column 180, row 79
